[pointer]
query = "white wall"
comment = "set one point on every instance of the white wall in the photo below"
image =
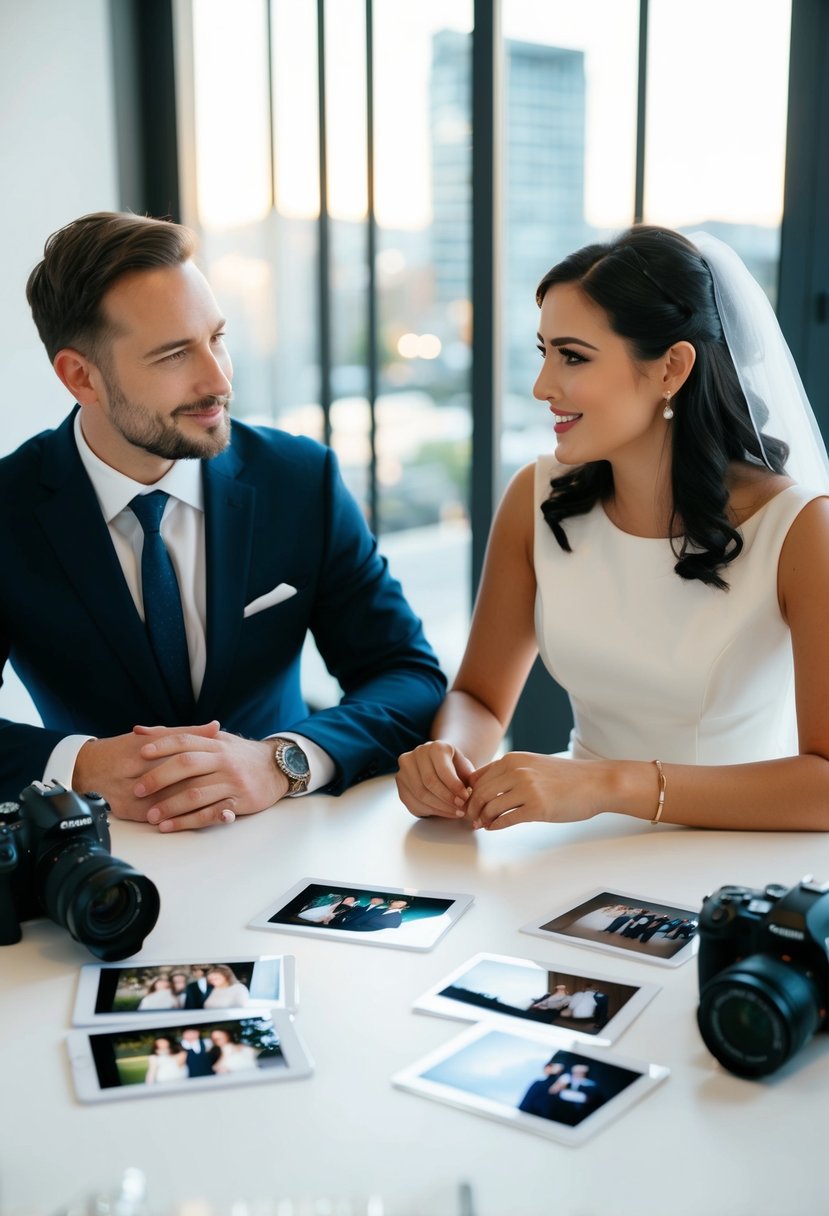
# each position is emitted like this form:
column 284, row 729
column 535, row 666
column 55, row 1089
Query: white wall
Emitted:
column 57, row 161
column 57, row 151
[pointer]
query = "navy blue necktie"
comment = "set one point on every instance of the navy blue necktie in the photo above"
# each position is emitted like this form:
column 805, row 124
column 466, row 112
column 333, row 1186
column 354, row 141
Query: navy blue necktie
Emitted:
column 162, row 603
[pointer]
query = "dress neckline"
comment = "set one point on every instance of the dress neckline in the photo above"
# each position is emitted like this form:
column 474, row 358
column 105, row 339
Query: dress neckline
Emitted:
column 632, row 536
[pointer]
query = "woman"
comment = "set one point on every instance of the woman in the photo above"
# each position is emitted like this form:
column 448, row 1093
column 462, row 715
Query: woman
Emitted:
column 160, row 995
column 318, row 913
column 232, row 1056
column 675, row 572
column 167, row 1063
column 227, row 989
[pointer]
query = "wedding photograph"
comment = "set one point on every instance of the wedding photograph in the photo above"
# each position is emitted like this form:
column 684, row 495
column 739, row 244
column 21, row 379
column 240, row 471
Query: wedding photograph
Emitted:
column 565, row 1094
column 177, row 1053
column 114, row 992
column 387, row 916
column 567, row 1002
column 628, row 924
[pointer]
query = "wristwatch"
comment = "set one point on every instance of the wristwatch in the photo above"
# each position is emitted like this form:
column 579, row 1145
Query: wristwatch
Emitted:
column 292, row 762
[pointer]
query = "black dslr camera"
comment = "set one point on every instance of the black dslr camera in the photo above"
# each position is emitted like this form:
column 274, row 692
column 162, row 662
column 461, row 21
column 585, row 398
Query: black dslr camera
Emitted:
column 55, row 861
column 763, row 973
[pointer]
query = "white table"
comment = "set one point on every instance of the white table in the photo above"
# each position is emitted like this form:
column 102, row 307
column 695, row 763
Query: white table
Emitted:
column 702, row 1142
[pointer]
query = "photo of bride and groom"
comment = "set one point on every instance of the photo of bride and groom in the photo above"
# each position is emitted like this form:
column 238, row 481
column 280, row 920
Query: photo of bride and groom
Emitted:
column 388, row 916
column 197, row 986
column 170, row 1055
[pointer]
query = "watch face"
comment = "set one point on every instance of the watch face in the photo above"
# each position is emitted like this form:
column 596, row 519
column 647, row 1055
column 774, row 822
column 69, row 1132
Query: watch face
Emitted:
column 293, row 757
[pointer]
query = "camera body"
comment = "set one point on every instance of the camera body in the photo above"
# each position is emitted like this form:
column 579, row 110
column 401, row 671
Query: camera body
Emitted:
column 55, row 861
column 763, row 973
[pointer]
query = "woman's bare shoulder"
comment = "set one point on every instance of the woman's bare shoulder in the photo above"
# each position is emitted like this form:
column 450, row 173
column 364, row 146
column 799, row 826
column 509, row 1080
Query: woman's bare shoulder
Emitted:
column 750, row 487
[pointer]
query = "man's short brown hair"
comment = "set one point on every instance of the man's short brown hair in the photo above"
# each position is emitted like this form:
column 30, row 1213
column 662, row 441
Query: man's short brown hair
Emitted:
column 82, row 260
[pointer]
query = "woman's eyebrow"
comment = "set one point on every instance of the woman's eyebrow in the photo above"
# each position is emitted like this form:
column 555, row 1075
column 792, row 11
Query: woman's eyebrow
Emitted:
column 568, row 342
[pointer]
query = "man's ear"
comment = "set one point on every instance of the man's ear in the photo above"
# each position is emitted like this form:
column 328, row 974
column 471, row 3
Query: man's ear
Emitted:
column 79, row 375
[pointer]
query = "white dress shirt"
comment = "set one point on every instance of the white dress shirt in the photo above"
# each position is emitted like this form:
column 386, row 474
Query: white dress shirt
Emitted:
column 182, row 529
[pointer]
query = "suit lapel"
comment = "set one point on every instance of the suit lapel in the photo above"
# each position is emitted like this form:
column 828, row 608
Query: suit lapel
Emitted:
column 229, row 507
column 71, row 519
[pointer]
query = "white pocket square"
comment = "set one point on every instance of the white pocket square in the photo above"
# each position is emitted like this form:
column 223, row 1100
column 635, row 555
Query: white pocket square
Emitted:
column 283, row 591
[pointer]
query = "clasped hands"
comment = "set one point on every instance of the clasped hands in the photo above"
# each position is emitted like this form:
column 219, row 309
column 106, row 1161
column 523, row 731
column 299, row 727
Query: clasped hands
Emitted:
column 178, row 778
column 438, row 779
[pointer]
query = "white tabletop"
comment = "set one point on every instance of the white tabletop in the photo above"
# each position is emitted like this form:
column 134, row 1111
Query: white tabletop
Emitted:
column 702, row 1142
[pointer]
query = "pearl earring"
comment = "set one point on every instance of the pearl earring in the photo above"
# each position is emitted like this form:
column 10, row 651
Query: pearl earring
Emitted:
column 667, row 413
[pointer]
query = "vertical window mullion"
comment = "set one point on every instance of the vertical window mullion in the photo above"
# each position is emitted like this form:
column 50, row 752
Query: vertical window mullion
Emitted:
column 641, row 114
column 486, row 342
column 371, row 278
column 323, row 236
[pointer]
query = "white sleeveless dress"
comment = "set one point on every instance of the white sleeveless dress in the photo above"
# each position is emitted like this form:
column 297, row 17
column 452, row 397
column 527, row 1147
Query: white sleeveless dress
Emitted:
column 656, row 665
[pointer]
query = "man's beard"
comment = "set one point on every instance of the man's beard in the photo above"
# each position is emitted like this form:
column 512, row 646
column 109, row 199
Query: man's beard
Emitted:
column 162, row 438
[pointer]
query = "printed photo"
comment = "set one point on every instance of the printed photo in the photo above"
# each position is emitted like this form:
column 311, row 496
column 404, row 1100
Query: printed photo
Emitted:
column 175, row 1054
column 564, row 1093
column 182, row 1053
column 117, row 992
column 571, row 1004
column 387, row 916
column 609, row 920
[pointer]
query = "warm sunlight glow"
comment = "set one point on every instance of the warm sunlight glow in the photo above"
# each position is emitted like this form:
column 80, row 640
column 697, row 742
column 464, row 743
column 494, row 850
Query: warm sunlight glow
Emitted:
column 232, row 154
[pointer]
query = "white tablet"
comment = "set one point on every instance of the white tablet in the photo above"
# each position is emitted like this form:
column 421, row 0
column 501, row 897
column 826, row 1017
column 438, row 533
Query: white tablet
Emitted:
column 186, row 1055
column 401, row 917
column 110, row 993
column 566, row 1093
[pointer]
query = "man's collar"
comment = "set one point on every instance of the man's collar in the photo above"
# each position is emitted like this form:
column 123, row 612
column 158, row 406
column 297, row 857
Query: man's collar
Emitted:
column 115, row 490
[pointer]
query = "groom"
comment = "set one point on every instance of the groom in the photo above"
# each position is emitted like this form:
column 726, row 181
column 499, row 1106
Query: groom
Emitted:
column 200, row 1053
column 160, row 634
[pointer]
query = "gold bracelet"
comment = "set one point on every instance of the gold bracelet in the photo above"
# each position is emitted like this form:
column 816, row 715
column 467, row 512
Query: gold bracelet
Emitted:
column 663, row 785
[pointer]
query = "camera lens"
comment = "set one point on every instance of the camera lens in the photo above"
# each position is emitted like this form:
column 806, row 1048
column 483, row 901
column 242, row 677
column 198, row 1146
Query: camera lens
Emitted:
column 104, row 903
column 756, row 1014
column 111, row 907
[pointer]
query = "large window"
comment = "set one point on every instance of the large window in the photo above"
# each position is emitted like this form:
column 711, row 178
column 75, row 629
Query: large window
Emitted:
column 330, row 180
column 715, row 156
column 570, row 88
column 337, row 240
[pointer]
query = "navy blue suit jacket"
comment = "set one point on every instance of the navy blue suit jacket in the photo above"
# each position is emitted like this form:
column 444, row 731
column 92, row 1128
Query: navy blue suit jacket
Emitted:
column 276, row 511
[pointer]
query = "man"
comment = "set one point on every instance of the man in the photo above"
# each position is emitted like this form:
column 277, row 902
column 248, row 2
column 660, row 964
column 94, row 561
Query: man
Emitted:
column 201, row 1054
column 179, row 981
column 583, row 1004
column 555, row 1002
column 197, row 989
column 160, row 638
column 574, row 1096
column 388, row 917
column 362, row 916
column 536, row 1100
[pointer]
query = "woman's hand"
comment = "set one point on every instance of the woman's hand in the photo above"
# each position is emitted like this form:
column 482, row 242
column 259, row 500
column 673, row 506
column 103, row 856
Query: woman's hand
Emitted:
column 434, row 780
column 521, row 787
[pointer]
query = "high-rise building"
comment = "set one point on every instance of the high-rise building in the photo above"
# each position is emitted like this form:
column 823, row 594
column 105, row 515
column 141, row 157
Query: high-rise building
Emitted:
column 543, row 179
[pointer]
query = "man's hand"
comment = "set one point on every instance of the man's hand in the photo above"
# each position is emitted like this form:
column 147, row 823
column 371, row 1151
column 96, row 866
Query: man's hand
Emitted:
column 111, row 767
column 193, row 780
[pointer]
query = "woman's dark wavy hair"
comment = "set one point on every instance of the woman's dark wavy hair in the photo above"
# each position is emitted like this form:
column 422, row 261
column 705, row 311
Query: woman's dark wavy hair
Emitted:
column 656, row 290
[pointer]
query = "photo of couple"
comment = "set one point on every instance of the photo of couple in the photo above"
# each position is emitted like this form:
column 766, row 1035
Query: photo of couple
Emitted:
column 571, row 1003
column 172, row 1055
column 563, row 1094
column 197, row 986
column 388, row 916
column 662, row 932
column 348, row 912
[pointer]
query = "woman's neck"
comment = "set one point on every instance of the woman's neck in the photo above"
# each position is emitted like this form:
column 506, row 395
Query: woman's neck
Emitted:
column 640, row 502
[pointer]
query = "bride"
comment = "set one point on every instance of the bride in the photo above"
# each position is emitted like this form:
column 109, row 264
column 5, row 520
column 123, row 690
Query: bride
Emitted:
column 167, row 1063
column 670, row 563
column 231, row 1055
